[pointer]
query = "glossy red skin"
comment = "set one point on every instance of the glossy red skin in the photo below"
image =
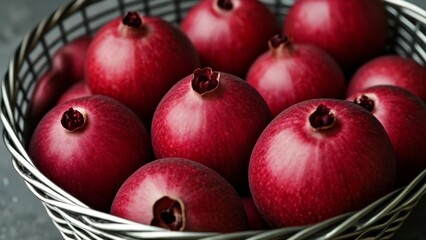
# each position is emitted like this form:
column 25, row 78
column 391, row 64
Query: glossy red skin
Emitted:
column 72, row 56
column 67, row 68
column 138, row 68
column 211, row 204
column 301, row 176
column 287, row 76
column 403, row 115
column 255, row 219
column 217, row 129
column 47, row 91
column 390, row 70
column 352, row 31
column 79, row 89
column 93, row 162
column 229, row 41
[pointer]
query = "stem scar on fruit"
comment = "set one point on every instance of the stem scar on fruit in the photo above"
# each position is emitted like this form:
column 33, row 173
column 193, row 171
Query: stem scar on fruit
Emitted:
column 322, row 118
column 281, row 45
column 365, row 102
column 73, row 119
column 133, row 24
column 169, row 213
column 205, row 80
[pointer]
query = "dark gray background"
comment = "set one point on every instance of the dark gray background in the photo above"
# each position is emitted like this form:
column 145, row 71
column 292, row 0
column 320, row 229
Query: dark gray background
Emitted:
column 21, row 214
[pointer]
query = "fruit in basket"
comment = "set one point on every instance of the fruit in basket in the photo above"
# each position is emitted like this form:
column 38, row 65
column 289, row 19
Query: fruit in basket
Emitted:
column 213, row 118
column 352, row 31
column 180, row 195
column 47, row 91
column 254, row 218
column 290, row 73
column 67, row 68
column 390, row 70
column 229, row 34
column 403, row 115
column 79, row 89
column 72, row 56
column 318, row 159
column 89, row 146
column 136, row 59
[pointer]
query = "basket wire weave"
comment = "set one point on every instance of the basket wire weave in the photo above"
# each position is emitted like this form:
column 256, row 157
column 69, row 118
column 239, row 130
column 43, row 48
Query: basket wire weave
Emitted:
column 74, row 220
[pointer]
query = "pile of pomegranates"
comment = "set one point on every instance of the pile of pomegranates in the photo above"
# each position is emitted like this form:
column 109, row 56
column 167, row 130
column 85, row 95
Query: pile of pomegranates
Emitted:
column 229, row 121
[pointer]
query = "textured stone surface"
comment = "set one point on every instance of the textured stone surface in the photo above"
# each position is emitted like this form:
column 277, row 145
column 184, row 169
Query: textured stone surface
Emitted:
column 22, row 216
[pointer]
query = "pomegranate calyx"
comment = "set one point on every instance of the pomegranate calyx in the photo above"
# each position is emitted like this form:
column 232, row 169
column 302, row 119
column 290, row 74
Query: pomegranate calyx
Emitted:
column 205, row 80
column 225, row 4
column 132, row 25
column 132, row 19
column 73, row 120
column 278, row 39
column 365, row 102
column 169, row 213
column 280, row 44
column 322, row 118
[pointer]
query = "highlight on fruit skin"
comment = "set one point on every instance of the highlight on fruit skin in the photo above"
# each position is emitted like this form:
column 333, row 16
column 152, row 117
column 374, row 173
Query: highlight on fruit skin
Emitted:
column 180, row 195
column 89, row 146
column 213, row 118
column 351, row 31
column 390, row 70
column 136, row 59
column 403, row 115
column 289, row 73
column 229, row 34
column 302, row 169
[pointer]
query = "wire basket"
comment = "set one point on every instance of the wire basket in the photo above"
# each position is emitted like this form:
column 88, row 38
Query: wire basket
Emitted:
column 75, row 220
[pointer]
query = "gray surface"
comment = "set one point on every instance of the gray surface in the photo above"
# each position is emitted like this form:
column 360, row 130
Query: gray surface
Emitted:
column 22, row 216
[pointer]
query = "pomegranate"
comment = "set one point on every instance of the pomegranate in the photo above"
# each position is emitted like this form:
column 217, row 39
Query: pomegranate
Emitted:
column 136, row 59
column 89, row 146
column 213, row 118
column 180, row 195
column 390, row 70
column 229, row 34
column 47, row 91
column 290, row 73
column 67, row 68
column 352, row 31
column 317, row 159
column 403, row 115
column 72, row 57
column 79, row 89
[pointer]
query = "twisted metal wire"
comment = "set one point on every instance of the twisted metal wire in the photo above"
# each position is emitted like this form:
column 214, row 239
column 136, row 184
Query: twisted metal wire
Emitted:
column 75, row 220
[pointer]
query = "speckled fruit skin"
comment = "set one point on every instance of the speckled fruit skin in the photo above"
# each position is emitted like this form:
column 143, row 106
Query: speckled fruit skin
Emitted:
column 352, row 31
column 210, row 202
column 294, row 75
column 217, row 129
column 137, row 67
column 229, row 41
column 300, row 176
column 403, row 115
column 93, row 162
column 390, row 70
